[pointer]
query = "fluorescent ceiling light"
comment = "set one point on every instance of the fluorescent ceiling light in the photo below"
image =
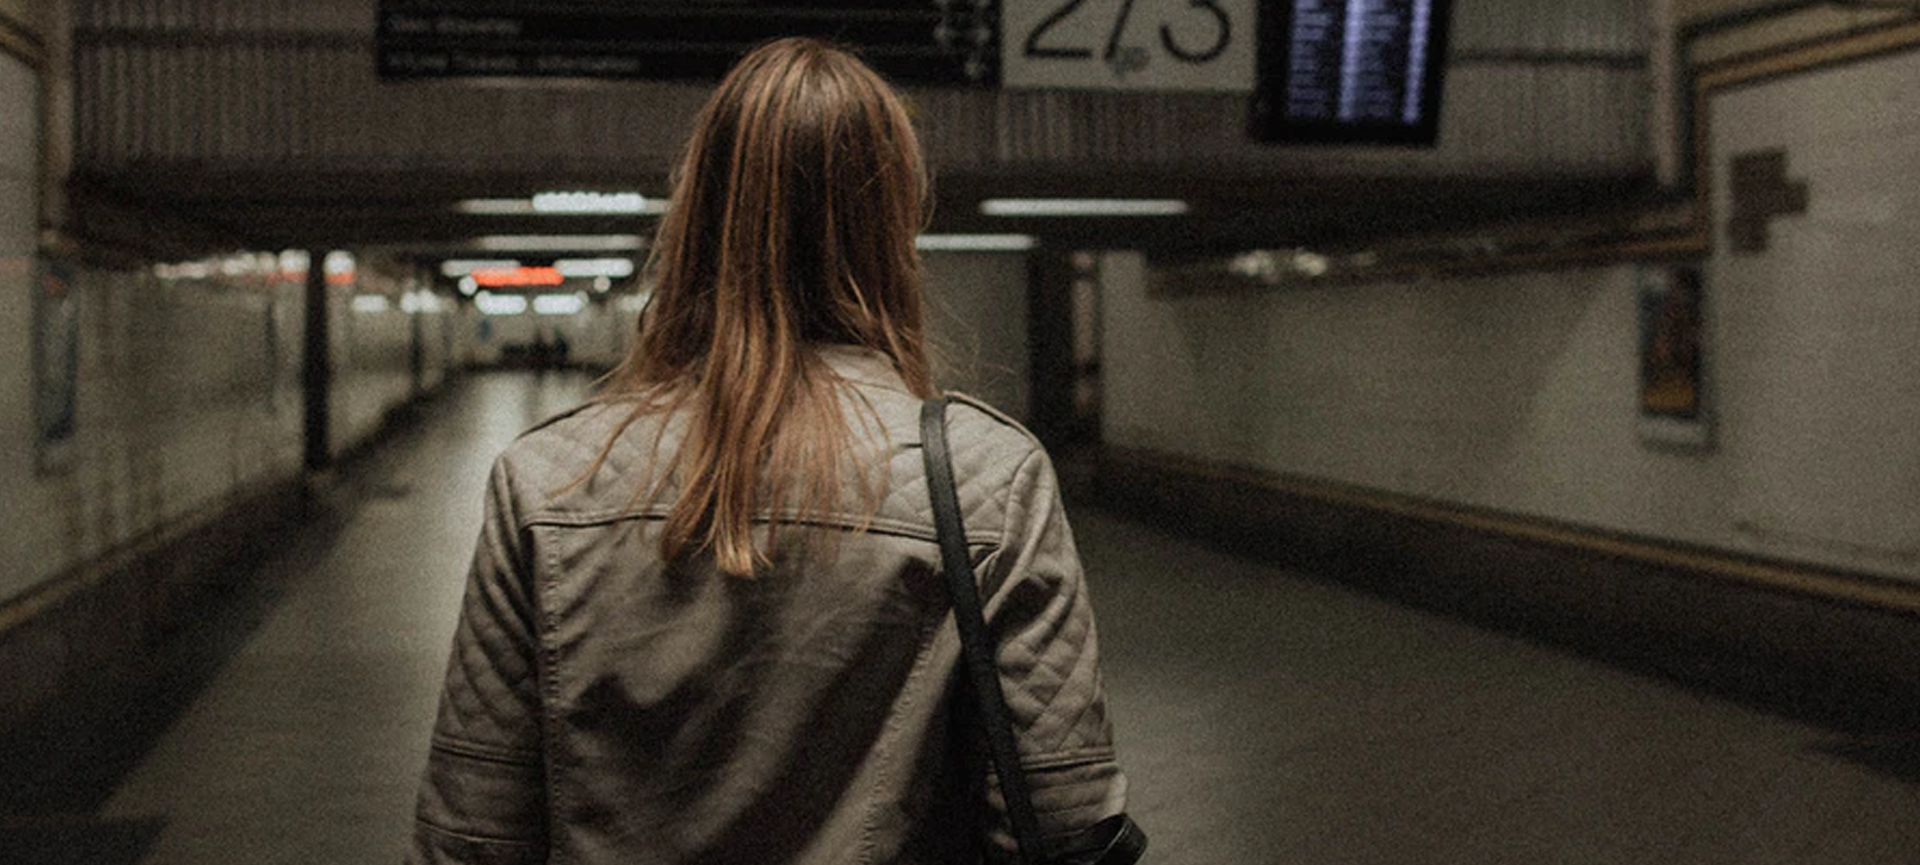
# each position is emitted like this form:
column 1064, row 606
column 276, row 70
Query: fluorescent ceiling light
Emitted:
column 1083, row 207
column 559, row 242
column 454, row 268
column 566, row 204
column 597, row 202
column 184, row 270
column 500, row 304
column 559, row 304
column 975, row 242
column 370, row 303
column 422, row 301
column 495, row 206
column 615, row 268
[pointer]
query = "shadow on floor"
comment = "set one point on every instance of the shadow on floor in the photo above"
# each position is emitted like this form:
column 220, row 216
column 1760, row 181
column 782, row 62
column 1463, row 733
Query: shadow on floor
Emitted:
column 77, row 840
column 72, row 758
column 1893, row 756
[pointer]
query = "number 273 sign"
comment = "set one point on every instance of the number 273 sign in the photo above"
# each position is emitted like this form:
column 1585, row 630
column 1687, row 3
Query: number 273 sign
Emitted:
column 1127, row 44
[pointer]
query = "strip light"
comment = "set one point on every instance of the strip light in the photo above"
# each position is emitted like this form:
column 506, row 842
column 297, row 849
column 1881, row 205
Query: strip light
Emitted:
column 597, row 202
column 559, row 242
column 495, row 206
column 975, row 242
column 340, row 267
column 500, row 304
column 565, row 204
column 454, row 268
column 415, row 302
column 559, row 304
column 613, row 268
column 1083, row 207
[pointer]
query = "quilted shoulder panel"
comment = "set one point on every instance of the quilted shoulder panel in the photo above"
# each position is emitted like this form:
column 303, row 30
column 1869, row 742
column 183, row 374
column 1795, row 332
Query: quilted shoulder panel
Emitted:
column 987, row 450
column 593, row 460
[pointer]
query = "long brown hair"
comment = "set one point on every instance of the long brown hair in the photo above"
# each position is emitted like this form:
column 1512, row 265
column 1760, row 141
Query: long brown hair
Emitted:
column 792, row 225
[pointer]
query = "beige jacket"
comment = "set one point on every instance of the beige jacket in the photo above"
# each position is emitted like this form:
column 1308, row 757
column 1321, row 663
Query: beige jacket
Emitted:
column 604, row 706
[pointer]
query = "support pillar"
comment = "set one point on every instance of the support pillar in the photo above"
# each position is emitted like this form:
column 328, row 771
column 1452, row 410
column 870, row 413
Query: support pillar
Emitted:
column 316, row 378
column 1050, row 347
column 1063, row 343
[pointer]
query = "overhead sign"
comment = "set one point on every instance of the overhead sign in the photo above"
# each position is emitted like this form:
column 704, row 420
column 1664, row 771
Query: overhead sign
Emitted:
column 932, row 42
column 1191, row 45
column 518, row 277
column 1351, row 71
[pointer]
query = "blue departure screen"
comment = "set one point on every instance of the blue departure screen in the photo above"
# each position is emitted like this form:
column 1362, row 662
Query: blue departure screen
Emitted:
column 1350, row 71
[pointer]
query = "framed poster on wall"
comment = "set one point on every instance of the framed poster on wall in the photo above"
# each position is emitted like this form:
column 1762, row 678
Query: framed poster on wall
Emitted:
column 1673, row 408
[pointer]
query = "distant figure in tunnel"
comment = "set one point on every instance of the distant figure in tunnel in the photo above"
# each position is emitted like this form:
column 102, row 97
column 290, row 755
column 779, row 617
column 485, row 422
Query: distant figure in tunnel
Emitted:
column 705, row 622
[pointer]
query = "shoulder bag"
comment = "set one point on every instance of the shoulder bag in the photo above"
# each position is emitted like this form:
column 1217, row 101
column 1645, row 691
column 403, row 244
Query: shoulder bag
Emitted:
column 1113, row 841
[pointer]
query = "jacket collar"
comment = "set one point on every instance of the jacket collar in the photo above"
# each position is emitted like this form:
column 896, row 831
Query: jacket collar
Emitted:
column 862, row 366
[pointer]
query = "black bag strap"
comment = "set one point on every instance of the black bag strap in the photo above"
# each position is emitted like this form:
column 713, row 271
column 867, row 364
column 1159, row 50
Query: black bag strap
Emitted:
column 977, row 646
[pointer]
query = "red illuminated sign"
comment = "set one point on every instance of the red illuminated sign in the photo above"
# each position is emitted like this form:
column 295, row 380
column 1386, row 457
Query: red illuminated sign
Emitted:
column 517, row 277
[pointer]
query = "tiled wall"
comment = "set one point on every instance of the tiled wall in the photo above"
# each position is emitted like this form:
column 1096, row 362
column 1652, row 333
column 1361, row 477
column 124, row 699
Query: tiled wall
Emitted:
column 372, row 370
column 1518, row 393
column 1821, row 329
column 188, row 399
column 187, row 394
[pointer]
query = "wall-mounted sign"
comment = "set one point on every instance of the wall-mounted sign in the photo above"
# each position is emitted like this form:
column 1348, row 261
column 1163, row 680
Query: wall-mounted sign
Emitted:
column 1350, row 71
column 932, row 42
column 1193, row 45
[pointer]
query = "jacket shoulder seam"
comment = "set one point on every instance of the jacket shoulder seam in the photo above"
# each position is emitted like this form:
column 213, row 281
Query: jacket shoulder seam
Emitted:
column 981, row 406
column 556, row 417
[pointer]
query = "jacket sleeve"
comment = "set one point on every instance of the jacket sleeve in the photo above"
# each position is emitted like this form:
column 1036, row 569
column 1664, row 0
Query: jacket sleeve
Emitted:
column 1037, row 608
column 483, row 797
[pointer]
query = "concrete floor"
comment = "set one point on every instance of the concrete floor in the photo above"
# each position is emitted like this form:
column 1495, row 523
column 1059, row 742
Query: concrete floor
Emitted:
column 1264, row 717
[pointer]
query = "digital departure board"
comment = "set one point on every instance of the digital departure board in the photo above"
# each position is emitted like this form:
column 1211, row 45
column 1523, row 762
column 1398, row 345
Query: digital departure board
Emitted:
column 927, row 42
column 1350, row 71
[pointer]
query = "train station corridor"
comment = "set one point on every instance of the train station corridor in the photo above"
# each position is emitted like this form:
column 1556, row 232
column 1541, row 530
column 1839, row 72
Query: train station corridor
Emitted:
column 1264, row 716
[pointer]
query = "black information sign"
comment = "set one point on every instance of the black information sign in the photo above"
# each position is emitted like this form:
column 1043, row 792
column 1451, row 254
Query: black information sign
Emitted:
column 1350, row 71
column 920, row 41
